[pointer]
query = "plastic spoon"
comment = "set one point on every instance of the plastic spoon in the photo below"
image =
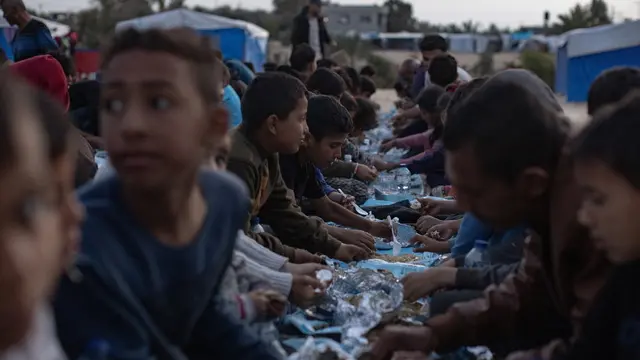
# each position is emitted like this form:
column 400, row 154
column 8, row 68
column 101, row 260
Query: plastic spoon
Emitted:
column 357, row 208
column 397, row 247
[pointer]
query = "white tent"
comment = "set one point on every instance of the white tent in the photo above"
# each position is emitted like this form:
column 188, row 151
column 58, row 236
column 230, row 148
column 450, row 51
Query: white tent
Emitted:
column 191, row 19
column 236, row 39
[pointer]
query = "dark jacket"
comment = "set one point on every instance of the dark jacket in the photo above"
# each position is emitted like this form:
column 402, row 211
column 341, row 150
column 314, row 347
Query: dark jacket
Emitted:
column 300, row 31
column 274, row 203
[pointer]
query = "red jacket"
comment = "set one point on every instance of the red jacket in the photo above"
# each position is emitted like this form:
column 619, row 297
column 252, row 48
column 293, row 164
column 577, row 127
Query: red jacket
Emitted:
column 45, row 73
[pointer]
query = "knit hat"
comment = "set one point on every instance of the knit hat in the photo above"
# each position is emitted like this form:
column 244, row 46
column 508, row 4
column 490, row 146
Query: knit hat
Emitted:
column 45, row 73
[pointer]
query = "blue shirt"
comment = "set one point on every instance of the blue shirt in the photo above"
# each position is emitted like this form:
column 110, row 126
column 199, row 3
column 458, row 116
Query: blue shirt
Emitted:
column 33, row 40
column 148, row 300
column 326, row 188
column 232, row 103
column 472, row 229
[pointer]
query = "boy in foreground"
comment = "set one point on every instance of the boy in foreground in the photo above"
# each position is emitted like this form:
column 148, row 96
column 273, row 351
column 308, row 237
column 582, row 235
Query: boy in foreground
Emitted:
column 159, row 236
column 329, row 125
column 274, row 112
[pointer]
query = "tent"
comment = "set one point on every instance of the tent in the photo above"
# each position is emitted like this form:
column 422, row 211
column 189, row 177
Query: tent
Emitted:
column 585, row 53
column 235, row 38
column 8, row 32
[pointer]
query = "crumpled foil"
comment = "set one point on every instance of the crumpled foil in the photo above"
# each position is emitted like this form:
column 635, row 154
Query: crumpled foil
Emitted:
column 312, row 350
column 358, row 299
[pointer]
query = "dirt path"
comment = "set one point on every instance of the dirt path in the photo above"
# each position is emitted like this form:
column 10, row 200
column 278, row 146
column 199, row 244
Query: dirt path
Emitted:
column 575, row 111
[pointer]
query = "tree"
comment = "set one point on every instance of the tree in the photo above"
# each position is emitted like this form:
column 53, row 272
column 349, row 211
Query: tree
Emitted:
column 400, row 16
column 583, row 16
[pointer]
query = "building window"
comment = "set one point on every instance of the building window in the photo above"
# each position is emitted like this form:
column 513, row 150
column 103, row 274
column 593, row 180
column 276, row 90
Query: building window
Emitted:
column 365, row 19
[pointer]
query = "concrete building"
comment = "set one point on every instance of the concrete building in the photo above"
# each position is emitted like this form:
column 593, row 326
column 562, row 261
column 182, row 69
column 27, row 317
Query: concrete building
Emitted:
column 355, row 19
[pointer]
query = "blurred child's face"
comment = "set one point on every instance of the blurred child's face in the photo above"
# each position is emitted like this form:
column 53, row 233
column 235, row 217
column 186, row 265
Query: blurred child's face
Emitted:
column 156, row 124
column 322, row 153
column 289, row 133
column 610, row 208
column 70, row 210
column 220, row 155
column 29, row 232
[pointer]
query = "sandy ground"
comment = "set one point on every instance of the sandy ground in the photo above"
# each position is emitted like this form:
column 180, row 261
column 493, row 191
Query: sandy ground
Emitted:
column 575, row 111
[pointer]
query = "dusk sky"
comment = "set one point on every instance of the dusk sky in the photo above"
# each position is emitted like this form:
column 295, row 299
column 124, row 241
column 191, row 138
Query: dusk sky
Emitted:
column 502, row 12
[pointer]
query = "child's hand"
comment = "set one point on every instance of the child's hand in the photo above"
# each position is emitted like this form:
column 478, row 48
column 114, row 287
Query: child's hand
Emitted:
column 387, row 146
column 269, row 304
column 303, row 290
column 366, row 173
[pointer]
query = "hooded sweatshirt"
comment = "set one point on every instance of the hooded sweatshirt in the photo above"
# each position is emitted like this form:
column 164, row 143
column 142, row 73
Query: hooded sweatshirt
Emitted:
column 148, row 300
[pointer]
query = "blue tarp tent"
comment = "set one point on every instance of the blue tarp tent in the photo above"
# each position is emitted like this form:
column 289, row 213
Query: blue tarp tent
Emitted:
column 587, row 52
column 235, row 38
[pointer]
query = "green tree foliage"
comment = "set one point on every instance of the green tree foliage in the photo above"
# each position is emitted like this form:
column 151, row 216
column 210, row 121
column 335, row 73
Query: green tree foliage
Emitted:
column 541, row 64
column 595, row 13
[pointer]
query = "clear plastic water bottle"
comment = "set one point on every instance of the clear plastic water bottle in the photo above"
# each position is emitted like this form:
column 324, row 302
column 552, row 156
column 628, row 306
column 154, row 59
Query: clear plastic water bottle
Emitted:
column 97, row 349
column 477, row 257
column 403, row 177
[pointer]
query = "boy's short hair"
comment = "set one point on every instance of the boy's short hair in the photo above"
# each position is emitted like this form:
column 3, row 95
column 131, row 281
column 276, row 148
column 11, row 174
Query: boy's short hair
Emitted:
column 345, row 77
column 443, row 70
column 181, row 42
column 326, row 117
column 289, row 71
column 302, row 56
column 355, row 79
column 428, row 98
column 508, row 127
column 432, row 42
column 273, row 93
column 612, row 86
column 326, row 82
column 367, row 70
column 611, row 137
column 463, row 92
column 366, row 118
column 367, row 85
column 326, row 63
column 349, row 102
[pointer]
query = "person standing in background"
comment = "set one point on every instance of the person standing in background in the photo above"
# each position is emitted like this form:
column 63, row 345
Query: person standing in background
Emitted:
column 33, row 37
column 308, row 27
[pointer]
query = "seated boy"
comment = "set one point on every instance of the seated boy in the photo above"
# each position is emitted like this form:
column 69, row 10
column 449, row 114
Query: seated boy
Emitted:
column 157, row 237
column 367, row 87
column 329, row 125
column 268, row 128
column 303, row 60
column 607, row 173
